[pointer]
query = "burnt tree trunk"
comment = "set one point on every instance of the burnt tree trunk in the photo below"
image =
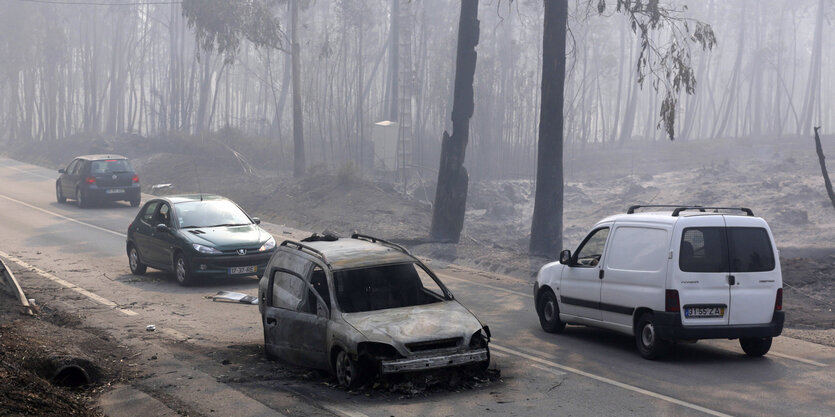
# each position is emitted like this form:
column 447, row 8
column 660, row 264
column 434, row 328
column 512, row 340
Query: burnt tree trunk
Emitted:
column 298, row 133
column 822, row 160
column 451, row 193
column 546, row 227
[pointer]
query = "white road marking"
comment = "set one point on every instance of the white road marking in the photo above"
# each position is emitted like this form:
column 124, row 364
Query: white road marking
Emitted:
column 29, row 172
column 61, row 216
column 76, row 288
column 795, row 358
column 452, row 278
column 547, row 369
column 609, row 381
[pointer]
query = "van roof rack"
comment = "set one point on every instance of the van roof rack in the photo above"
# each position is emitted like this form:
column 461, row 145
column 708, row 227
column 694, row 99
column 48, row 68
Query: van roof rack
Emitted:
column 305, row 248
column 679, row 208
column 373, row 239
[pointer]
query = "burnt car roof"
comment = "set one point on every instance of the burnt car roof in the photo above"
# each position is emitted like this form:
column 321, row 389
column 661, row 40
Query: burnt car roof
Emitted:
column 348, row 253
column 96, row 157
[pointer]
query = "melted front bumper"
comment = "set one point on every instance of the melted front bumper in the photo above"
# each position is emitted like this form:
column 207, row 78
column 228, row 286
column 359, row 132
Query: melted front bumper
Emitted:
column 434, row 362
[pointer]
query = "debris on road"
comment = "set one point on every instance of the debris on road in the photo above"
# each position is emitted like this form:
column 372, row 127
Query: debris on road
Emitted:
column 150, row 328
column 234, row 297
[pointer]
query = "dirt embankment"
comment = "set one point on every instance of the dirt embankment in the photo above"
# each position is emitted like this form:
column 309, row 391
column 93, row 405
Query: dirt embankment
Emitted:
column 50, row 365
column 779, row 179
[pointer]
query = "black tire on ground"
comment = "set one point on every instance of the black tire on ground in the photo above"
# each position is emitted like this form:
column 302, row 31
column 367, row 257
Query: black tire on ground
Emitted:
column 135, row 203
column 59, row 195
column 650, row 346
column 549, row 313
column 755, row 346
column 182, row 271
column 79, row 199
column 136, row 265
column 349, row 374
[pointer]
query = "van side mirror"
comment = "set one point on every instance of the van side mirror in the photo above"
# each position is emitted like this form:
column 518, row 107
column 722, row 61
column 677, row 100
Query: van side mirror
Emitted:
column 565, row 257
column 62, row 171
column 256, row 220
column 163, row 228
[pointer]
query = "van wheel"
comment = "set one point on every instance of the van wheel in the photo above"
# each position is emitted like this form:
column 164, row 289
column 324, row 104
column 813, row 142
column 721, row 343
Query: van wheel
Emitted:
column 549, row 313
column 755, row 346
column 650, row 346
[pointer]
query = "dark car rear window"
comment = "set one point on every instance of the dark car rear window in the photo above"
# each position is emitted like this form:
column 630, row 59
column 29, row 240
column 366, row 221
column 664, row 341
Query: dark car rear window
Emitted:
column 110, row 166
column 726, row 249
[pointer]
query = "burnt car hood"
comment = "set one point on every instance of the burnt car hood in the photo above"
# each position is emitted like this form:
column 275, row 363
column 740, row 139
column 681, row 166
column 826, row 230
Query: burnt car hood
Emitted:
column 435, row 321
column 227, row 238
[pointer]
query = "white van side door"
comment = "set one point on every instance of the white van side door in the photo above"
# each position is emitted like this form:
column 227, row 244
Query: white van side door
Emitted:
column 700, row 271
column 635, row 271
column 580, row 283
column 755, row 268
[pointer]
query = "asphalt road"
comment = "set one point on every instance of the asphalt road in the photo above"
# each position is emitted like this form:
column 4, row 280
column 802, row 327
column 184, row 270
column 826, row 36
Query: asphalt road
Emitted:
column 74, row 259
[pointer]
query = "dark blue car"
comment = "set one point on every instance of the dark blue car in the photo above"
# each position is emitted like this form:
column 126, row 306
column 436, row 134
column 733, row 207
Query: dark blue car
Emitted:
column 98, row 178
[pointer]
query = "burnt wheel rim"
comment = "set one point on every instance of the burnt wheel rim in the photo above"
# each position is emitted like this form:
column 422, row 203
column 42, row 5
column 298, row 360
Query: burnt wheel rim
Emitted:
column 648, row 335
column 344, row 370
column 181, row 269
column 134, row 260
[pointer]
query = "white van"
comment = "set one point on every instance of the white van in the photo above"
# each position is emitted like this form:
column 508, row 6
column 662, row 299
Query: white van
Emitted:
column 693, row 273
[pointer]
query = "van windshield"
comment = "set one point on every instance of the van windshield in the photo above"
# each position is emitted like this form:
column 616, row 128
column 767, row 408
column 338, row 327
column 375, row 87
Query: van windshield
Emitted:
column 726, row 249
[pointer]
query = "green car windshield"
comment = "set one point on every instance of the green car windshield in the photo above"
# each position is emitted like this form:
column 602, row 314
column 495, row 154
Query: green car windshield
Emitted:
column 210, row 213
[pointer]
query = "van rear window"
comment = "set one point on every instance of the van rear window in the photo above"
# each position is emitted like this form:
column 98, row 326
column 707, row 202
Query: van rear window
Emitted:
column 725, row 249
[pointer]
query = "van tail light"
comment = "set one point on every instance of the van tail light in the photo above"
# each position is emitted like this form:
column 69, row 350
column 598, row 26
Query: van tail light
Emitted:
column 90, row 180
column 671, row 302
column 135, row 179
column 778, row 303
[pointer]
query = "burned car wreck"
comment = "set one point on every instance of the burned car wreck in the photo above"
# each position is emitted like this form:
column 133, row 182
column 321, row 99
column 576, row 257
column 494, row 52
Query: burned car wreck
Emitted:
column 362, row 307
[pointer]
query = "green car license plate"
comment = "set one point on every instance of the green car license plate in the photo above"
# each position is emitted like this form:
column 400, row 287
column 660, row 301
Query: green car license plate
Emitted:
column 699, row 312
column 238, row 270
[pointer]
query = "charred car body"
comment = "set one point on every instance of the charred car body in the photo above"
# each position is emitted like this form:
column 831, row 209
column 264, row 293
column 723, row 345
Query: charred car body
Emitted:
column 360, row 306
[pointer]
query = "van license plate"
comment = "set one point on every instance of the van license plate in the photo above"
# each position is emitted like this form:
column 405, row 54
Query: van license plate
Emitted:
column 704, row 312
column 237, row 270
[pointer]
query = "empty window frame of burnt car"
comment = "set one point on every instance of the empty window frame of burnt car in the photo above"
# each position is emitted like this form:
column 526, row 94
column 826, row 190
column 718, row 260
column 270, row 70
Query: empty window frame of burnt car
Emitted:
column 362, row 306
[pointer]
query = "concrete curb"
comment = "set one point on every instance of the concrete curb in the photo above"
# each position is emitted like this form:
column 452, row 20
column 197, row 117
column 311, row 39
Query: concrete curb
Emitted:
column 9, row 285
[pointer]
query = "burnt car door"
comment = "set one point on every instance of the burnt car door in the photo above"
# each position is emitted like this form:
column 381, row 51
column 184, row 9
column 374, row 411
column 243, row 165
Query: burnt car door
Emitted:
column 295, row 316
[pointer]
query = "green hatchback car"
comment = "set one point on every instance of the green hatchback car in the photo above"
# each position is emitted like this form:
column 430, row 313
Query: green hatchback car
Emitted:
column 197, row 236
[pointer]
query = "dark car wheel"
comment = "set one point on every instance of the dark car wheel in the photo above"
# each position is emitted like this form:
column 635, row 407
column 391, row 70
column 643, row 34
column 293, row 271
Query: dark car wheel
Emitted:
column 59, row 195
column 650, row 346
column 755, row 346
column 136, row 266
column 79, row 199
column 182, row 270
column 549, row 313
column 135, row 203
column 348, row 372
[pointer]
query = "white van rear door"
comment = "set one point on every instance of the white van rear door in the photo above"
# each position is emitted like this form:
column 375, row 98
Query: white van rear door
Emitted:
column 755, row 268
column 700, row 270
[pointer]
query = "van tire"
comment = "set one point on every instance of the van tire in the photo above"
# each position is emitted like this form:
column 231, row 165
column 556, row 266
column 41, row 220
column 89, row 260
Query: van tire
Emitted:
column 549, row 313
column 755, row 346
column 650, row 346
